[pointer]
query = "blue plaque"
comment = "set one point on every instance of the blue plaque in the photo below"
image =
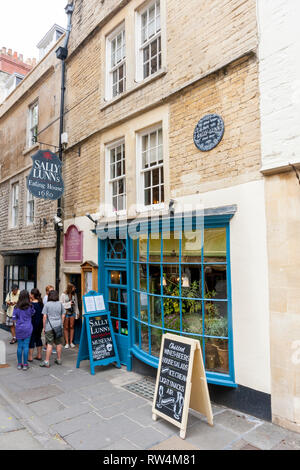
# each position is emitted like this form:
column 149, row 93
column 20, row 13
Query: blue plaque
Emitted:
column 209, row 132
column 45, row 178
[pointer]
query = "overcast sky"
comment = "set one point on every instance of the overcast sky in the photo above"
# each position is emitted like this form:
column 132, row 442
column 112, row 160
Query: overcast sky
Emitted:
column 23, row 23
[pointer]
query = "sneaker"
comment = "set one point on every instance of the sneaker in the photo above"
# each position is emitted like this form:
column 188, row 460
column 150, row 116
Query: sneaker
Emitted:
column 25, row 367
column 44, row 364
column 13, row 341
column 58, row 362
column 44, row 349
column 72, row 345
column 19, row 366
column 67, row 346
column 53, row 351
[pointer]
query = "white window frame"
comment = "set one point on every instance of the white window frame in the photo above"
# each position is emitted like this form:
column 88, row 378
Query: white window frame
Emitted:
column 32, row 126
column 15, row 191
column 141, row 206
column 111, row 69
column 140, row 46
column 109, row 180
column 30, row 213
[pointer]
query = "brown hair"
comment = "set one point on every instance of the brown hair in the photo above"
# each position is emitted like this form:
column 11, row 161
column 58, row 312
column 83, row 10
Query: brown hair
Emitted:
column 69, row 289
column 53, row 296
column 37, row 295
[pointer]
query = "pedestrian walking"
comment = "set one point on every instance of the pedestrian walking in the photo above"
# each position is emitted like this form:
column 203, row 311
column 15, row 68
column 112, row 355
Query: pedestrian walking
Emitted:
column 37, row 323
column 45, row 300
column 53, row 319
column 11, row 301
column 22, row 317
column 70, row 303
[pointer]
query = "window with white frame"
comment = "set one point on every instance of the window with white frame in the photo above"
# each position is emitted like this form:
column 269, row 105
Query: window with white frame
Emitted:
column 14, row 204
column 117, row 177
column 29, row 209
column 149, row 26
column 33, row 124
column 116, row 60
column 152, row 169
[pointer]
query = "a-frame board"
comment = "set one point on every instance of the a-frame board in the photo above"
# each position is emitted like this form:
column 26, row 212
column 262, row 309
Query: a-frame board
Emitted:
column 97, row 340
column 181, row 382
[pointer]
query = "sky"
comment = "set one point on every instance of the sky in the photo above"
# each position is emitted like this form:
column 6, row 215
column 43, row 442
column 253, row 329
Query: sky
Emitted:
column 23, row 23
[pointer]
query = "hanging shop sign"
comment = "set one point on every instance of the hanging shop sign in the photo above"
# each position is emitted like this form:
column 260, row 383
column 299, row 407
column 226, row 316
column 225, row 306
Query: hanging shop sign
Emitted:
column 209, row 132
column 73, row 245
column 97, row 340
column 45, row 178
column 181, row 382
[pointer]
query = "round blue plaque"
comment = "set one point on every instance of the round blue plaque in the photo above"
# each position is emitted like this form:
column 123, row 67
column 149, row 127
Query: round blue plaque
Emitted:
column 209, row 132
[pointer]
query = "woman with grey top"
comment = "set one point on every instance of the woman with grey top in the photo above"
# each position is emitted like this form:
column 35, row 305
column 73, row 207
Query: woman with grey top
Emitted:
column 53, row 318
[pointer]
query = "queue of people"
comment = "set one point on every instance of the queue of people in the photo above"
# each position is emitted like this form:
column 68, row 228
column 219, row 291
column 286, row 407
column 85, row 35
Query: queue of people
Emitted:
column 29, row 317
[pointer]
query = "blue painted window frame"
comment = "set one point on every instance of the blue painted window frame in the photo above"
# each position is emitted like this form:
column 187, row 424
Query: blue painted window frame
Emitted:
column 210, row 221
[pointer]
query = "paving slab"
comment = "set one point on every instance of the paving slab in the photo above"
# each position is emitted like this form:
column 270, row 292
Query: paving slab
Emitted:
column 174, row 443
column 8, row 422
column 69, row 399
column 265, row 436
column 68, row 413
column 83, row 423
column 122, row 444
column 120, row 407
column 207, row 437
column 236, row 422
column 44, row 407
column 97, row 390
column 146, row 439
column 19, row 440
column 117, row 397
column 39, row 393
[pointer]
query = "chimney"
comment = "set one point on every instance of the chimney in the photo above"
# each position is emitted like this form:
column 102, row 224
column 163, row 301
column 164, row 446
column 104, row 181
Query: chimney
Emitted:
column 21, row 57
column 9, row 52
column 4, row 50
column 34, row 62
column 15, row 55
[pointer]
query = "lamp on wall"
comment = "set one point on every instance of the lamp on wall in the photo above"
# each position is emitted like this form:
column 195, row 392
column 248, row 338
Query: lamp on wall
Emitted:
column 95, row 222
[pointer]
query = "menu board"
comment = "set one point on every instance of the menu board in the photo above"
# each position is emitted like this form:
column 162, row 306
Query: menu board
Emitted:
column 181, row 382
column 173, row 379
column 101, row 338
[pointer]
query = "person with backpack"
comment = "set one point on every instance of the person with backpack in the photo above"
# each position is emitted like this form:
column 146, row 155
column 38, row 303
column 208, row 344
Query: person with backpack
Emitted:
column 22, row 317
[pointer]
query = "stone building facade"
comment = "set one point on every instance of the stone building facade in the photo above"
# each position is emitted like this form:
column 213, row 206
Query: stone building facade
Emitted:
column 111, row 120
column 27, row 236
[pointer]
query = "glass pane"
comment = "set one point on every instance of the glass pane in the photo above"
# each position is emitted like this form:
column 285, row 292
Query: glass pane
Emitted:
column 154, row 279
column 191, row 246
column 143, row 277
column 113, row 308
column 148, row 201
column 123, row 279
column 145, row 338
column 115, row 277
column 215, row 245
column 155, row 177
column 156, row 337
column 216, row 355
column 191, row 281
column 171, row 313
column 216, row 323
column 156, row 197
column 215, row 282
column 154, row 248
column 143, row 239
column 171, row 279
column 147, row 179
column 171, row 247
column 192, row 316
column 115, row 324
column 113, row 294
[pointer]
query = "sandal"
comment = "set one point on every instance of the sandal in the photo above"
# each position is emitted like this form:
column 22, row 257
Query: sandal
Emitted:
column 37, row 358
column 30, row 360
column 13, row 341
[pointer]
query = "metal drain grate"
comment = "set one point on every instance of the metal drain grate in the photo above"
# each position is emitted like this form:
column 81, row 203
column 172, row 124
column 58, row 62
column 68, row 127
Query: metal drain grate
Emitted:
column 144, row 388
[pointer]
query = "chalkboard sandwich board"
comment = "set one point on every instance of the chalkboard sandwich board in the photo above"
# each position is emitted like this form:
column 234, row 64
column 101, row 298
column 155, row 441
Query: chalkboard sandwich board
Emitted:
column 181, row 382
column 97, row 341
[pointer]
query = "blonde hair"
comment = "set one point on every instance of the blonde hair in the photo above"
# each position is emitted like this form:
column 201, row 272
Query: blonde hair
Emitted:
column 69, row 289
column 49, row 288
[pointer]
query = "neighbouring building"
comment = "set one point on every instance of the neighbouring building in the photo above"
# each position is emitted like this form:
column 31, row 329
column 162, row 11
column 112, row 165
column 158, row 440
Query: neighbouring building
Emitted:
column 136, row 89
column 29, row 121
column 12, row 71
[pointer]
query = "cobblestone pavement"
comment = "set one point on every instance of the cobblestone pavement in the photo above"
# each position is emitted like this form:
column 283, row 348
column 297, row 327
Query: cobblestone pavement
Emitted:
column 67, row 408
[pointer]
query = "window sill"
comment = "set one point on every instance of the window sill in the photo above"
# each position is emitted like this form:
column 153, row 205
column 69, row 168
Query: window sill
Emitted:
column 137, row 86
column 31, row 149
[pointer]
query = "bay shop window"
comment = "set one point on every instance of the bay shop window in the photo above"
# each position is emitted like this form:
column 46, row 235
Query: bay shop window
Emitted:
column 168, row 275
column 181, row 285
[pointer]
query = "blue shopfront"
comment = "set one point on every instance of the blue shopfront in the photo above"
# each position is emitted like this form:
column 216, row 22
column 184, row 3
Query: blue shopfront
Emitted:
column 170, row 274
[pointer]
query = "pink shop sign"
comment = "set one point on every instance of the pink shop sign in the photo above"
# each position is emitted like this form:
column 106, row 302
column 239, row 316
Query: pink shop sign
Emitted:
column 73, row 245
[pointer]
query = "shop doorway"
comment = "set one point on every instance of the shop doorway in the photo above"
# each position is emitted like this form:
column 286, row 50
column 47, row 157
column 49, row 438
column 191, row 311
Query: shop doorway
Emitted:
column 76, row 280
